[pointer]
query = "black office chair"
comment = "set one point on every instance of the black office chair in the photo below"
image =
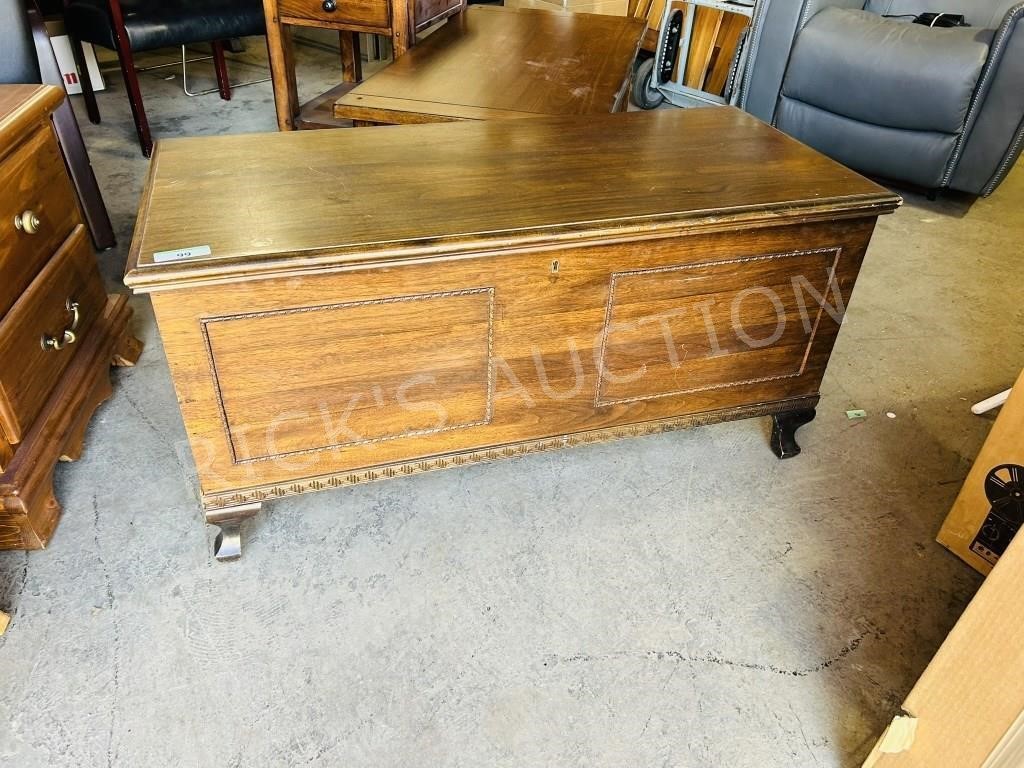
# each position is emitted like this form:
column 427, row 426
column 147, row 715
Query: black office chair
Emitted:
column 132, row 26
column 26, row 56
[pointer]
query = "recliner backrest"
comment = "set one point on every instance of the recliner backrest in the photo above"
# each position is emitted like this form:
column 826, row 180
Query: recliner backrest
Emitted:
column 986, row 14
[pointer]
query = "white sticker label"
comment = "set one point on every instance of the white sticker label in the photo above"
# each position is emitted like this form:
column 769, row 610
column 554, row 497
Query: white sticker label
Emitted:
column 182, row 253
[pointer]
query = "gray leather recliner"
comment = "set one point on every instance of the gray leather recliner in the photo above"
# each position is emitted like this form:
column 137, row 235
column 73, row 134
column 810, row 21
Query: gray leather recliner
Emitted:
column 939, row 108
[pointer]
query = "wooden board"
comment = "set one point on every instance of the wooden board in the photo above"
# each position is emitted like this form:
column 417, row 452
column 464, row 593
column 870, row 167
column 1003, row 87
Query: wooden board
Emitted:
column 706, row 24
column 493, row 62
column 319, row 112
column 726, row 43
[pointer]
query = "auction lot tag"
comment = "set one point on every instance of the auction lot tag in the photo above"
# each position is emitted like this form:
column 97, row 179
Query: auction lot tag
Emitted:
column 182, row 253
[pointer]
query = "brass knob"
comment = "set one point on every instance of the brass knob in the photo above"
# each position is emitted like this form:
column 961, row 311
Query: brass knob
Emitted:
column 330, row 6
column 27, row 222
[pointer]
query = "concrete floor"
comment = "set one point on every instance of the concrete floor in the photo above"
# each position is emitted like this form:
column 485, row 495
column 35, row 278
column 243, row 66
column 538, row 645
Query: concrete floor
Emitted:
column 679, row 600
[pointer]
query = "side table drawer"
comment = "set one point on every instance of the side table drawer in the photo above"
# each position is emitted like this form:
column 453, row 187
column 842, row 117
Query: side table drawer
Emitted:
column 367, row 13
column 38, row 210
column 41, row 333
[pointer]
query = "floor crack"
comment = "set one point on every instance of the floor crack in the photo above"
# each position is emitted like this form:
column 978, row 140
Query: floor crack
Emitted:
column 116, row 666
column 712, row 658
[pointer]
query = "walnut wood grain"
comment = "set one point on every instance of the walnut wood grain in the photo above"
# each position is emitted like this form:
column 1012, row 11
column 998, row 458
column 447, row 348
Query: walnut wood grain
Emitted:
column 444, row 365
column 29, row 510
column 37, row 183
column 516, row 186
column 256, row 494
column 431, row 11
column 21, row 109
column 372, row 13
column 528, row 285
column 344, row 413
column 493, row 62
column 70, row 275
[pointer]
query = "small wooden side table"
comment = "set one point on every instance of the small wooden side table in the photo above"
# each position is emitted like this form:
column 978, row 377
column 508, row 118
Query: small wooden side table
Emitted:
column 494, row 63
column 399, row 19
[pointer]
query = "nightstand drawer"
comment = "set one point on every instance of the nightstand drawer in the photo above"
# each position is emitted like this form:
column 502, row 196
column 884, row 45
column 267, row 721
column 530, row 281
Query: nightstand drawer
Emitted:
column 368, row 13
column 43, row 330
column 38, row 210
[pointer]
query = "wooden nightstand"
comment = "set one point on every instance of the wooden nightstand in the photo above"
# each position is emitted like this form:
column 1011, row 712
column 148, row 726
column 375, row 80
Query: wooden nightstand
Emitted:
column 59, row 330
column 398, row 19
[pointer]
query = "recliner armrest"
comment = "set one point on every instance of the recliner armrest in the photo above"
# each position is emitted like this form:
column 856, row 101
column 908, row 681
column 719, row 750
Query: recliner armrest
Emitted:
column 994, row 133
column 987, row 14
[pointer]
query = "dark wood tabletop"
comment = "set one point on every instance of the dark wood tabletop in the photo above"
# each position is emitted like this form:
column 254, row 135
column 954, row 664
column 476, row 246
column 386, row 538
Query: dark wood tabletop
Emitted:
column 492, row 62
column 356, row 195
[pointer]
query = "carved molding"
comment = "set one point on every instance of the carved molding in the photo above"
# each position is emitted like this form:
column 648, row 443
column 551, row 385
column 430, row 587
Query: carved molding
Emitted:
column 600, row 401
column 222, row 410
column 487, row 455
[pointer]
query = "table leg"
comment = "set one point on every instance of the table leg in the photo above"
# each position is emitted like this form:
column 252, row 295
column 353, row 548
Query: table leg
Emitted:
column 402, row 35
column 228, row 545
column 784, row 427
column 351, row 62
column 281, row 53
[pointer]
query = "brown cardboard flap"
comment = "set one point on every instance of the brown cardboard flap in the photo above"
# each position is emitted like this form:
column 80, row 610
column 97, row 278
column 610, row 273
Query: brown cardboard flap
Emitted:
column 977, row 530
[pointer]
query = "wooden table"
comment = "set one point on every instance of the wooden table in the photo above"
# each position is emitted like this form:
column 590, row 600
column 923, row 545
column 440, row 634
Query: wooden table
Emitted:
column 398, row 19
column 492, row 62
column 522, row 285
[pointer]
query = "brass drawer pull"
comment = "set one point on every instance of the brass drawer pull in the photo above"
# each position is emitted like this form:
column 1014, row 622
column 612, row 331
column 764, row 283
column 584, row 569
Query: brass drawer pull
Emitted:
column 27, row 222
column 68, row 336
column 329, row 6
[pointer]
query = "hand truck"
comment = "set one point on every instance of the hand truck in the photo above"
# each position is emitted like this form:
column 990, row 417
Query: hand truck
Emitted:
column 654, row 81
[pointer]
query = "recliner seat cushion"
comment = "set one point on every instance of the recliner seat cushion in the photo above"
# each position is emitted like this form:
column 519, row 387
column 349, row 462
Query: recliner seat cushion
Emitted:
column 883, row 72
column 161, row 23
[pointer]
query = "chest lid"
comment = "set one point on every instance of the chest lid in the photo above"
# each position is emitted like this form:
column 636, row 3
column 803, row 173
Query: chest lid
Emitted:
column 235, row 207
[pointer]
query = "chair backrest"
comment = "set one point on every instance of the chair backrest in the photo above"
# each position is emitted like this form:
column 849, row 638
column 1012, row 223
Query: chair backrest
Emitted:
column 775, row 25
column 18, row 62
column 986, row 14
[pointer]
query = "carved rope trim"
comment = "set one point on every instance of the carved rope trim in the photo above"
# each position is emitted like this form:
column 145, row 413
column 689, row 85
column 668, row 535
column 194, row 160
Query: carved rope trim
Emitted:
column 600, row 402
column 222, row 411
column 487, row 455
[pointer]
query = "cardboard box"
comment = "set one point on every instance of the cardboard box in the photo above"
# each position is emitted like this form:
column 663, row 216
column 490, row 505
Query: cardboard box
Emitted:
column 66, row 60
column 967, row 709
column 990, row 507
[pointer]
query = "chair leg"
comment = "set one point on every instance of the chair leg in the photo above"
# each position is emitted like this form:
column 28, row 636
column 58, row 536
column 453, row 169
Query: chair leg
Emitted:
column 131, row 84
column 351, row 63
column 88, row 94
column 131, row 78
column 220, row 64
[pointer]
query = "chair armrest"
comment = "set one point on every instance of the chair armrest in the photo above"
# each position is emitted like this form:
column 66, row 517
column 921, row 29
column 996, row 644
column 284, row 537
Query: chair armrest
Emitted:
column 994, row 131
column 774, row 29
column 987, row 14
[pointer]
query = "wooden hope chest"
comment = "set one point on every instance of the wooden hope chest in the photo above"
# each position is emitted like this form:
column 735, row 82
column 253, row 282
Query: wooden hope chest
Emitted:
column 345, row 306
